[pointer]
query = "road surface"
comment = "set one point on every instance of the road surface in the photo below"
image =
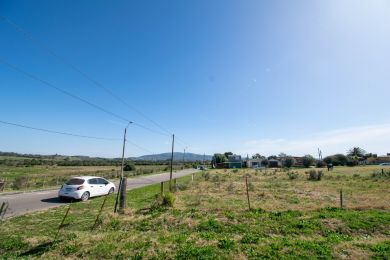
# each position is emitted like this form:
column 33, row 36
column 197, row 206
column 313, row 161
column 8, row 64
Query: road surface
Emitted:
column 22, row 203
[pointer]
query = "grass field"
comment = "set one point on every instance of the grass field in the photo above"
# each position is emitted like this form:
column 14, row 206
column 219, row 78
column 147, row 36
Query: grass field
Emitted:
column 291, row 217
column 40, row 177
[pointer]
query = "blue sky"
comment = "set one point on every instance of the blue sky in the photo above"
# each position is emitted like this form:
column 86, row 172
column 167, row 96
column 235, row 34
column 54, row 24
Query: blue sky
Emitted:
column 240, row 76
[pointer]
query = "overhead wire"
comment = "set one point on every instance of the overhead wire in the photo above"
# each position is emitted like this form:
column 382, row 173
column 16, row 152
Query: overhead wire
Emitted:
column 58, row 132
column 39, row 43
column 45, row 47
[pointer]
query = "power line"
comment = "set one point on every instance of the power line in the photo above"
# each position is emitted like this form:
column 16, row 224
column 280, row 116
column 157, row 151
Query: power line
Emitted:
column 45, row 47
column 139, row 147
column 67, row 93
column 58, row 132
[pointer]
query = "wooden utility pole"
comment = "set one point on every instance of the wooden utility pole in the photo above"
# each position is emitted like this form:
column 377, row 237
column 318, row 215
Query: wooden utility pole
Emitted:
column 170, row 175
column 247, row 192
column 123, row 152
column 122, row 197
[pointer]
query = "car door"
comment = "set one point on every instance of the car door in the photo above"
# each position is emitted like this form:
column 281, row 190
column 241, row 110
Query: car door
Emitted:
column 103, row 187
column 93, row 187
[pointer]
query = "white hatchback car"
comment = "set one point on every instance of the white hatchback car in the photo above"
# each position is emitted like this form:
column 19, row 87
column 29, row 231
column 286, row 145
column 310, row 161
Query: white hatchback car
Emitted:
column 84, row 187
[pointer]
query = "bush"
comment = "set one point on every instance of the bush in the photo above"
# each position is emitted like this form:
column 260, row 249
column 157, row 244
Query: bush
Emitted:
column 129, row 167
column 314, row 175
column 320, row 164
column 168, row 200
column 19, row 183
column 351, row 162
column 292, row 175
column 308, row 161
column 336, row 160
column 289, row 162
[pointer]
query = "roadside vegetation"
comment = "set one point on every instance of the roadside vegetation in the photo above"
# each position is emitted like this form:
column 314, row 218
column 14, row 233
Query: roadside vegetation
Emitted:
column 291, row 216
column 19, row 174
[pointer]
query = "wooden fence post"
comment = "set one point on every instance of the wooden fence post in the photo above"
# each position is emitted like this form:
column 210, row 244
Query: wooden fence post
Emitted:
column 3, row 209
column 175, row 184
column 341, row 199
column 162, row 188
column 247, row 192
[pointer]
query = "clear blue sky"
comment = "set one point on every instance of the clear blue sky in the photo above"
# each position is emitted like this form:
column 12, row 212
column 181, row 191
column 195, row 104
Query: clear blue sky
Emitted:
column 240, row 76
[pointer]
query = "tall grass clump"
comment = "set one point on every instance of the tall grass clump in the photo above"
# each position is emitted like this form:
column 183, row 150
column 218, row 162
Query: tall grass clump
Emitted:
column 314, row 175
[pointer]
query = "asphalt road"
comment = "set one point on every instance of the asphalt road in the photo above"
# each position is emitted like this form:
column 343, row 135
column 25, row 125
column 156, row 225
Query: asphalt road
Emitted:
column 22, row 203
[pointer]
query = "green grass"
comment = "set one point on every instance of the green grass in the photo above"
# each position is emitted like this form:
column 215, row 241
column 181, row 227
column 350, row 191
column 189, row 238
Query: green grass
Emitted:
column 289, row 219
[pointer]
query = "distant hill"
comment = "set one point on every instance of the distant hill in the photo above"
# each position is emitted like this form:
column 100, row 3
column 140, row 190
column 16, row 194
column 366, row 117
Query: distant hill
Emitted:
column 177, row 156
column 189, row 157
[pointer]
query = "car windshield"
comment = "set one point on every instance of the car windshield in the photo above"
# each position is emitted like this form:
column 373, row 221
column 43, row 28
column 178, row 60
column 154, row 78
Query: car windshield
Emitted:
column 75, row 182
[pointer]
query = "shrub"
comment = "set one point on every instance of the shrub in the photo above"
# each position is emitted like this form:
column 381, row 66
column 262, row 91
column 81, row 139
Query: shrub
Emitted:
column 129, row 167
column 168, row 200
column 314, row 175
column 206, row 176
column 292, row 175
column 308, row 161
column 289, row 162
column 352, row 162
column 320, row 164
column 19, row 183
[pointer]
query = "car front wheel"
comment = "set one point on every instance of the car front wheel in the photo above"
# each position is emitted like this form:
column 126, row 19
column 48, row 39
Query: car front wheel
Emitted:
column 111, row 191
column 85, row 196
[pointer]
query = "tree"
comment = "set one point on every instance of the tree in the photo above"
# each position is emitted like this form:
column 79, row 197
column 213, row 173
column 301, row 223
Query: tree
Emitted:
column 340, row 159
column 257, row 156
column 272, row 157
column 219, row 158
column 282, row 155
column 227, row 154
column 264, row 162
column 328, row 160
column 356, row 152
column 308, row 160
column 288, row 162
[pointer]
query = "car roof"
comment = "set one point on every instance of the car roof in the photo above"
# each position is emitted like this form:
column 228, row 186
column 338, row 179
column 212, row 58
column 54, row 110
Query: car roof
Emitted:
column 86, row 177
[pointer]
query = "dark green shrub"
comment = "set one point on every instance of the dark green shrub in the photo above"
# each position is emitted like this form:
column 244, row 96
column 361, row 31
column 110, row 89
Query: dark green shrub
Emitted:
column 129, row 167
column 320, row 164
column 289, row 162
column 308, row 161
